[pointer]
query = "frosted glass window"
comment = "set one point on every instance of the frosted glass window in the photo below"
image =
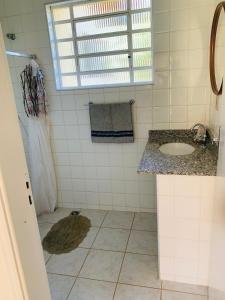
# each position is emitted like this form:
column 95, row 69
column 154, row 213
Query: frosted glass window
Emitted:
column 65, row 49
column 69, row 81
column 101, row 26
column 140, row 4
column 63, row 31
column 103, row 45
column 141, row 20
column 142, row 75
column 142, row 59
column 101, row 42
column 99, row 8
column 104, row 62
column 141, row 40
column 105, row 78
column 68, row 65
column 61, row 13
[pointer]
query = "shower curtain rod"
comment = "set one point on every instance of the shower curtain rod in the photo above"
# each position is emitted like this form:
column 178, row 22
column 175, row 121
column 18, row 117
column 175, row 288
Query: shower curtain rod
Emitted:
column 19, row 54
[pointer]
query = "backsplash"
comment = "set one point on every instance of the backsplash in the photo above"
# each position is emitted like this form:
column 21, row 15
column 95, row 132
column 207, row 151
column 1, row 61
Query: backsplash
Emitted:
column 105, row 176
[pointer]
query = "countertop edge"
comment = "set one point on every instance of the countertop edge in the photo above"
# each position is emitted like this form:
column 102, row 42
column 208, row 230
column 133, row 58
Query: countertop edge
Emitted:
column 151, row 162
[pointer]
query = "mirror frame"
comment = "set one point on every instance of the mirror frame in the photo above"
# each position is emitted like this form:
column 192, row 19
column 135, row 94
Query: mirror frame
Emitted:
column 217, row 91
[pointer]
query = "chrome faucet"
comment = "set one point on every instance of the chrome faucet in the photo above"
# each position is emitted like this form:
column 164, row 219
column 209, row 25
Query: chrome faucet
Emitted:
column 201, row 134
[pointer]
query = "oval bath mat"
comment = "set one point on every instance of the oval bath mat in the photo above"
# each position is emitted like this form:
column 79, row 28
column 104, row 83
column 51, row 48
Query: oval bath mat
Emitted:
column 67, row 234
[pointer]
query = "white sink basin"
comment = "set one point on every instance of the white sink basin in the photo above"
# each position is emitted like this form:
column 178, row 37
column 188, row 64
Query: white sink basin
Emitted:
column 177, row 149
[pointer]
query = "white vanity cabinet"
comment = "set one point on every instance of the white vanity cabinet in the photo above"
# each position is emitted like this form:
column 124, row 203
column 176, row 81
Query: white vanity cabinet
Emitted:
column 184, row 212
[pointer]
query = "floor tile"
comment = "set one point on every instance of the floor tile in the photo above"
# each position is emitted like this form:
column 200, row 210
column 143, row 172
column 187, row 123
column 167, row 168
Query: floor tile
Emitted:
column 102, row 265
column 112, row 239
column 143, row 242
column 119, row 219
column 60, row 286
column 44, row 228
column 168, row 295
column 67, row 264
column 140, row 270
column 184, row 287
column 46, row 256
column 59, row 214
column 86, row 289
column 129, row 292
column 96, row 216
column 89, row 239
column 145, row 221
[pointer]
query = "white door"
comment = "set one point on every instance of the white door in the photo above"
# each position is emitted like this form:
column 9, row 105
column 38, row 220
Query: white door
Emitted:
column 20, row 240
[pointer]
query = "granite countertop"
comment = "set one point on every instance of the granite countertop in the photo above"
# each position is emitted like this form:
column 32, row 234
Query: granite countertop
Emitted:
column 202, row 162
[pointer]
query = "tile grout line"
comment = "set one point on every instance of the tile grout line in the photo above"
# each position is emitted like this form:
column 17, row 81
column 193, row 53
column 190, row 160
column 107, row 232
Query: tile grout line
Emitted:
column 125, row 251
column 182, row 292
column 124, row 256
column 108, row 227
column 89, row 250
column 130, row 284
column 71, row 288
column 47, row 258
column 63, row 275
column 119, row 251
column 161, row 290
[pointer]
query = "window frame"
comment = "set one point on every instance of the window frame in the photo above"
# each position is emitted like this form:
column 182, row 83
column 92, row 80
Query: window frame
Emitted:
column 56, row 58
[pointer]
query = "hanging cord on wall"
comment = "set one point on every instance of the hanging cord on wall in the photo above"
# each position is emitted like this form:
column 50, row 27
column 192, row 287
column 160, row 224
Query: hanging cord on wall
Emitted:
column 34, row 95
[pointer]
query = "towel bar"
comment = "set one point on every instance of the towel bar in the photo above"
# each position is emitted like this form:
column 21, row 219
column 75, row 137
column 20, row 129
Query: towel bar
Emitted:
column 132, row 101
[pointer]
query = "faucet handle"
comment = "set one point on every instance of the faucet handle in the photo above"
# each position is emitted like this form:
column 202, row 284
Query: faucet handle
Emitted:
column 201, row 134
column 198, row 125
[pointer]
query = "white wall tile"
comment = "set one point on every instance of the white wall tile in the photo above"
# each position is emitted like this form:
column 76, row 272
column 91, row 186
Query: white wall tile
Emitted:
column 67, row 102
column 161, row 41
column 161, row 97
column 161, row 114
column 179, row 60
column 184, row 231
column 161, row 5
column 178, row 114
column 179, row 40
column 161, row 61
column 161, row 22
column 178, row 98
column 179, row 20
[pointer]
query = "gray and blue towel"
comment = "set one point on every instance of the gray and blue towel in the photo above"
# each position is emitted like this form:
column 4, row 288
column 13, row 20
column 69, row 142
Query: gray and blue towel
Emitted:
column 111, row 123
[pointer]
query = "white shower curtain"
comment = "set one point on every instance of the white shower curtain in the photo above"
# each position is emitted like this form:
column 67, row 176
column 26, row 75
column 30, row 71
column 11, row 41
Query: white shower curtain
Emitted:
column 42, row 173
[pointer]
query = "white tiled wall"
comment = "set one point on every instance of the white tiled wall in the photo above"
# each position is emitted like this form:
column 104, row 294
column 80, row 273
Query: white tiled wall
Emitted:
column 217, row 259
column 214, row 118
column 184, row 209
column 104, row 176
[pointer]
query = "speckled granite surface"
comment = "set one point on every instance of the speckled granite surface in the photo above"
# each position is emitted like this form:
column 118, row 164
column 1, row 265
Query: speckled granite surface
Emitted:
column 202, row 162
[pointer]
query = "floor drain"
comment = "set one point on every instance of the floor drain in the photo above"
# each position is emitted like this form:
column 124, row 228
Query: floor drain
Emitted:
column 75, row 213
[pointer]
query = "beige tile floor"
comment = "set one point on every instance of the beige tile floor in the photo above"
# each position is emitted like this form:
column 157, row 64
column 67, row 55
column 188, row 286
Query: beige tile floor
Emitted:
column 117, row 260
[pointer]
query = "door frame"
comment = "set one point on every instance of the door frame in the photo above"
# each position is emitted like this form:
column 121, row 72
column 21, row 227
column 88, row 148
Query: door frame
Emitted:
column 22, row 273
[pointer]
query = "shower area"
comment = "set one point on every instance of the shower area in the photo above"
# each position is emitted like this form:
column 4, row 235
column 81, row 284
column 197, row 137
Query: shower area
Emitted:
column 98, row 231
column 93, row 238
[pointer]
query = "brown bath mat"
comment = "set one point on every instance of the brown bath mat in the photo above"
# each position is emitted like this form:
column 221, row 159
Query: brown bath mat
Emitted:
column 67, row 234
